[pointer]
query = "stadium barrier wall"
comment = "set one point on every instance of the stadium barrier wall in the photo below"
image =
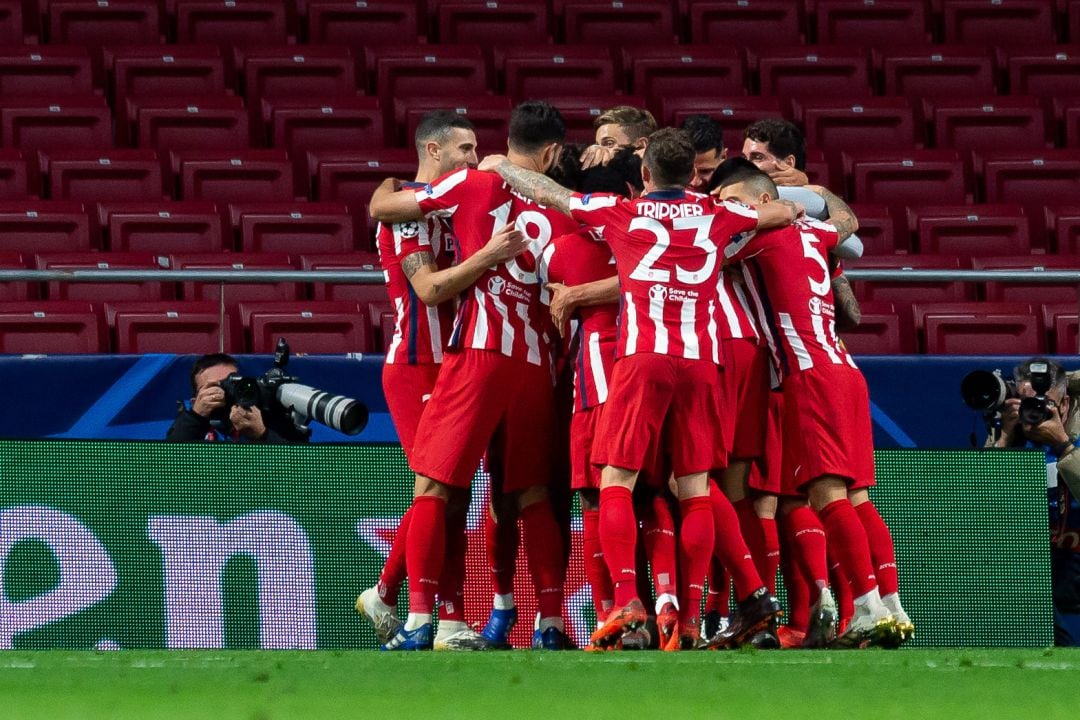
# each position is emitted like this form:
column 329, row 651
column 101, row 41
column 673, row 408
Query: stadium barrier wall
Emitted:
column 110, row 544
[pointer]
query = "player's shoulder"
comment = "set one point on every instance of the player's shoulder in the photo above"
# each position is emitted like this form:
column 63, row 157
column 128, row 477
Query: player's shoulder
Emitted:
column 464, row 177
column 596, row 201
column 818, row 226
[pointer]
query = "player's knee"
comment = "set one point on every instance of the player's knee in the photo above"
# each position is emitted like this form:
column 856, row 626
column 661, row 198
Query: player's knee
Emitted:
column 430, row 487
column 858, row 497
column 531, row 496
column 825, row 490
column 590, row 499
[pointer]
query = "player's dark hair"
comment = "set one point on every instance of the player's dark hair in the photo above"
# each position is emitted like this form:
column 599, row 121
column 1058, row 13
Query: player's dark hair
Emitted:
column 635, row 122
column 618, row 176
column 208, row 361
column 534, row 124
column 436, row 126
column 740, row 170
column 670, row 157
column 567, row 168
column 782, row 137
column 705, row 133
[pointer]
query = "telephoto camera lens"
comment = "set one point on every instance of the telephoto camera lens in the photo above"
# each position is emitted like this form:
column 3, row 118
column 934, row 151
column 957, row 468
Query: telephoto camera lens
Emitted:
column 337, row 411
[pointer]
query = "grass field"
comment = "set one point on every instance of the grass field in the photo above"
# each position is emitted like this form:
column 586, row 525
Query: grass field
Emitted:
column 270, row 685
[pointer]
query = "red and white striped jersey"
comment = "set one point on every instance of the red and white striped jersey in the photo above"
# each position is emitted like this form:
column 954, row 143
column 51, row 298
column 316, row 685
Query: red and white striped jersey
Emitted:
column 666, row 251
column 505, row 310
column 736, row 318
column 790, row 285
column 420, row 332
column 576, row 259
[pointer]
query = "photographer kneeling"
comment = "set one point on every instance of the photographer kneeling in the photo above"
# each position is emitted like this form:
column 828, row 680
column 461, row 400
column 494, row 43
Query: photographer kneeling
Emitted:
column 210, row 416
column 1043, row 410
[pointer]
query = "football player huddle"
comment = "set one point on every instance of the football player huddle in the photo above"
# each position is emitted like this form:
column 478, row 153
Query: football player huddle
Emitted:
column 689, row 304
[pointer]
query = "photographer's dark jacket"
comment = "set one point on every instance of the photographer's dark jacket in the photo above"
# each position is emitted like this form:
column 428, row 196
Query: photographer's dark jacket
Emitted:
column 192, row 427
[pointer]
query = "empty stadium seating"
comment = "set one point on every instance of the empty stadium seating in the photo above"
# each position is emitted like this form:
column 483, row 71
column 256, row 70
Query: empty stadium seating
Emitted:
column 37, row 327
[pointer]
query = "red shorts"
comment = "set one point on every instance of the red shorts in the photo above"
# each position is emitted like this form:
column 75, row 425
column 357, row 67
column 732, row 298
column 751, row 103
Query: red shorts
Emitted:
column 407, row 389
column 583, row 425
column 827, row 429
column 765, row 475
column 746, row 380
column 659, row 403
column 486, row 402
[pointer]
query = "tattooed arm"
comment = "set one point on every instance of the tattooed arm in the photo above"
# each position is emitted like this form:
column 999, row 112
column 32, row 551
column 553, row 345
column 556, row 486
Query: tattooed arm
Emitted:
column 840, row 215
column 533, row 185
column 434, row 286
column 390, row 204
column 848, row 314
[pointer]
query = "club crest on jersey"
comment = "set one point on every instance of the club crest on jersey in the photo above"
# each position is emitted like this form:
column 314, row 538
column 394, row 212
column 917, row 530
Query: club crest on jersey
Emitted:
column 496, row 285
column 658, row 293
column 410, row 229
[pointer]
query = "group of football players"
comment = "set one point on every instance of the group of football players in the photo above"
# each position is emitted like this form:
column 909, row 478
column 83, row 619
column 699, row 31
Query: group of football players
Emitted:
column 689, row 303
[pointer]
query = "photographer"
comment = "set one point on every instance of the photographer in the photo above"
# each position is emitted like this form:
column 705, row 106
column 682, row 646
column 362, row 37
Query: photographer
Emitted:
column 209, row 416
column 1057, row 434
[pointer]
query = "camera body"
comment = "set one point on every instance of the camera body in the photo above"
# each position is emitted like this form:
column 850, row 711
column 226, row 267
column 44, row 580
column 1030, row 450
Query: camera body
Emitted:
column 987, row 392
column 277, row 392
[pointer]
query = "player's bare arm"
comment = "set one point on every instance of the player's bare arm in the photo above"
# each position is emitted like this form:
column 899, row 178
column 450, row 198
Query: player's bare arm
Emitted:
column 533, row 185
column 434, row 286
column 787, row 174
column 778, row 213
column 840, row 214
column 565, row 299
column 390, row 204
column 848, row 313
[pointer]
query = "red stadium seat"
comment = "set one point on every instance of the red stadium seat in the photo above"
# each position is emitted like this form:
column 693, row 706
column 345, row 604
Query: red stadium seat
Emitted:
column 733, row 113
column 1029, row 292
column 854, row 126
column 300, row 125
column 1032, row 178
column 903, row 294
column 172, row 70
column 32, row 226
column 164, row 227
column 939, row 71
column 755, row 23
column 11, row 23
column 105, row 175
column 351, row 178
column 579, row 113
column 880, row 23
column 55, row 70
column 899, row 178
column 363, row 294
column 252, row 22
column 66, row 123
column 881, row 232
column 11, row 291
column 816, row 72
column 1063, row 322
column 1070, row 116
column 206, row 122
column 1014, row 122
column 403, row 71
column 15, row 175
column 308, row 71
column 971, row 230
column 486, row 23
column 489, row 114
column 43, row 327
column 618, row 23
column 104, row 291
column 93, row 24
column 543, row 72
column 818, row 170
column 235, row 176
column 236, row 292
column 295, row 228
column 313, row 327
column 1045, row 71
column 1004, row 24
column 881, row 331
column 362, row 24
column 172, row 327
column 661, row 71
column 1063, row 224
column 1074, row 20
column 981, row 329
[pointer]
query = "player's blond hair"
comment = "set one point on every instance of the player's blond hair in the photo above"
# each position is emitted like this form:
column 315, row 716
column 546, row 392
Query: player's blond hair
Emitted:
column 635, row 122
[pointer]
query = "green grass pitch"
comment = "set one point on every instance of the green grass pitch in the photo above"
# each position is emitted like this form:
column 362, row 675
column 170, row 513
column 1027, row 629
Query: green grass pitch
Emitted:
column 908, row 684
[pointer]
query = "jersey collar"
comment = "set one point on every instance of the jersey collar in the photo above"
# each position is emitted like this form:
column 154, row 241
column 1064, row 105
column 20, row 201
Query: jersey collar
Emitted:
column 665, row 195
column 413, row 185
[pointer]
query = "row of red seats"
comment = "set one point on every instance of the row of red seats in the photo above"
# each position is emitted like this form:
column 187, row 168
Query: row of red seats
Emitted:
column 749, row 22
column 305, row 227
column 1002, row 328
column 67, row 326
column 653, row 71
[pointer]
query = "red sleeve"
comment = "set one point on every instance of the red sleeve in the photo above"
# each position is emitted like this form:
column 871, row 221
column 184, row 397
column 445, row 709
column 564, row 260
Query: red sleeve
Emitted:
column 411, row 237
column 596, row 209
column 444, row 196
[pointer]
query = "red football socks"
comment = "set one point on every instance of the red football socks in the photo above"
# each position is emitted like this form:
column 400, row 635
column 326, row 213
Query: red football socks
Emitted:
column 806, row 537
column 618, row 535
column 696, row 537
column 502, row 549
column 603, row 594
column 425, row 551
column 882, row 551
column 848, row 545
column 393, row 572
column 544, row 552
column 658, row 536
column 760, row 536
column 452, row 582
column 729, row 546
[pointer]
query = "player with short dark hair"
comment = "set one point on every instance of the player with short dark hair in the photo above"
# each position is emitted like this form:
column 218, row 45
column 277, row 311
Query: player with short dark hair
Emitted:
column 708, row 139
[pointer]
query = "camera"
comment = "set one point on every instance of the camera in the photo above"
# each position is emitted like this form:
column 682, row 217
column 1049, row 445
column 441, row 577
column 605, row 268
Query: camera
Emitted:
column 987, row 392
column 278, row 392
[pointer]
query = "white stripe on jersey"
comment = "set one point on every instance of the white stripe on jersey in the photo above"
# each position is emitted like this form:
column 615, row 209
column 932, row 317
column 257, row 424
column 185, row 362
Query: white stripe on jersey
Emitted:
column 435, row 336
column 763, row 319
column 738, row 243
column 728, row 308
column 399, row 317
column 597, row 364
column 739, row 209
column 631, row 324
column 507, row 334
column 656, row 314
column 531, row 338
column 444, row 186
column 805, row 361
column 712, row 333
column 819, row 334
column 687, row 329
column 592, row 203
column 836, row 343
column 480, row 329
column 741, row 297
